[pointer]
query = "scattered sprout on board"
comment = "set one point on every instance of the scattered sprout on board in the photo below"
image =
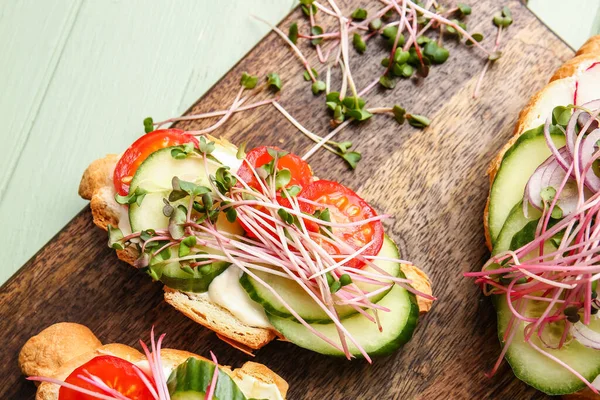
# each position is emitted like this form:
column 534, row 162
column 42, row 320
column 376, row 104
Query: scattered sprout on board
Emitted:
column 412, row 34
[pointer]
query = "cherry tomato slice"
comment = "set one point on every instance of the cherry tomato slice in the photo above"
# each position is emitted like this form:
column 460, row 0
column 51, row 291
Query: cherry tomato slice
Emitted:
column 299, row 169
column 141, row 149
column 117, row 373
column 301, row 175
column 346, row 206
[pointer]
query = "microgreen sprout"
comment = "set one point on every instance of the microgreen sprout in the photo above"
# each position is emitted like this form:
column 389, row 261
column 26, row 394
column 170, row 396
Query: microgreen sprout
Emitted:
column 248, row 81
column 502, row 20
column 274, row 81
column 148, row 125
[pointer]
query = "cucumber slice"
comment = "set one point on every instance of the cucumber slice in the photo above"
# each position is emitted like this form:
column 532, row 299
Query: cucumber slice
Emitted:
column 190, row 380
column 301, row 302
column 537, row 370
column 155, row 175
column 194, row 281
column 518, row 164
column 398, row 325
column 514, row 223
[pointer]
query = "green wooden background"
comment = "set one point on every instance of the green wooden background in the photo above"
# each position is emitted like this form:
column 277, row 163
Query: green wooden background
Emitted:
column 77, row 78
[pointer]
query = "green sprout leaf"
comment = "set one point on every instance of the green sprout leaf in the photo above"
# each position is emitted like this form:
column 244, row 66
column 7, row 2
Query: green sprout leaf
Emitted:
column 421, row 40
column 344, row 146
column 354, row 103
column 282, row 178
column 375, row 25
column 477, row 36
column 335, row 286
column 503, row 18
column 333, row 97
column 360, row 14
column 181, row 152
column 167, row 209
column 231, row 214
column 291, row 191
column 387, row 82
column 547, row 194
column 418, row 121
column 401, row 57
column 495, row 56
column 248, row 81
column 464, row 9
column 390, row 32
column 148, row 125
column 206, row 147
column 224, row 180
column 345, row 280
column 385, row 62
column 399, row 114
column 359, row 43
column 352, row 158
column 186, row 245
column 316, row 31
column 293, row 33
column 274, row 81
column 406, row 71
column 115, row 238
column 190, row 188
column 438, row 55
column 285, row 216
column 453, row 31
column 338, row 114
column 307, row 75
column 176, row 222
column 317, row 87
column 241, row 151
column 557, row 212
column 359, row 114
column 561, row 115
column 308, row 7
column 133, row 197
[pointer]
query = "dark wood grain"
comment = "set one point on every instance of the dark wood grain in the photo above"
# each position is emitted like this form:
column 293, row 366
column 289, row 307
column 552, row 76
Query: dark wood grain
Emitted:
column 432, row 181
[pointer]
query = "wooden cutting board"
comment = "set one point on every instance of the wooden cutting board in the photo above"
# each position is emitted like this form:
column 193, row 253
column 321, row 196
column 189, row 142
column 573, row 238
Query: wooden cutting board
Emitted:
column 433, row 182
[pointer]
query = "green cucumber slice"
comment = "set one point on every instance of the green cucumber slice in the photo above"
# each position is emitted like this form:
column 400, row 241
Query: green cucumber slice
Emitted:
column 398, row 325
column 514, row 223
column 155, row 175
column 301, row 302
column 190, row 380
column 518, row 164
column 537, row 370
column 194, row 281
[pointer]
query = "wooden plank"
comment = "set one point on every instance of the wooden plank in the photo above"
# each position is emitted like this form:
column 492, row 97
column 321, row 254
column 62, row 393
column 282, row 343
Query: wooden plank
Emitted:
column 432, row 181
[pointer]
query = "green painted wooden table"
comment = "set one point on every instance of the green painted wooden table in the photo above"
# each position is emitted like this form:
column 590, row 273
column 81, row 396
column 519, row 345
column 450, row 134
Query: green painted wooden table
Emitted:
column 78, row 77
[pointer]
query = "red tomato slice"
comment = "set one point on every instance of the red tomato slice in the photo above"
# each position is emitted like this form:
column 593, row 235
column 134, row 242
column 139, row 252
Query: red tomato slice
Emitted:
column 301, row 175
column 299, row 169
column 117, row 373
column 346, row 206
column 141, row 149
